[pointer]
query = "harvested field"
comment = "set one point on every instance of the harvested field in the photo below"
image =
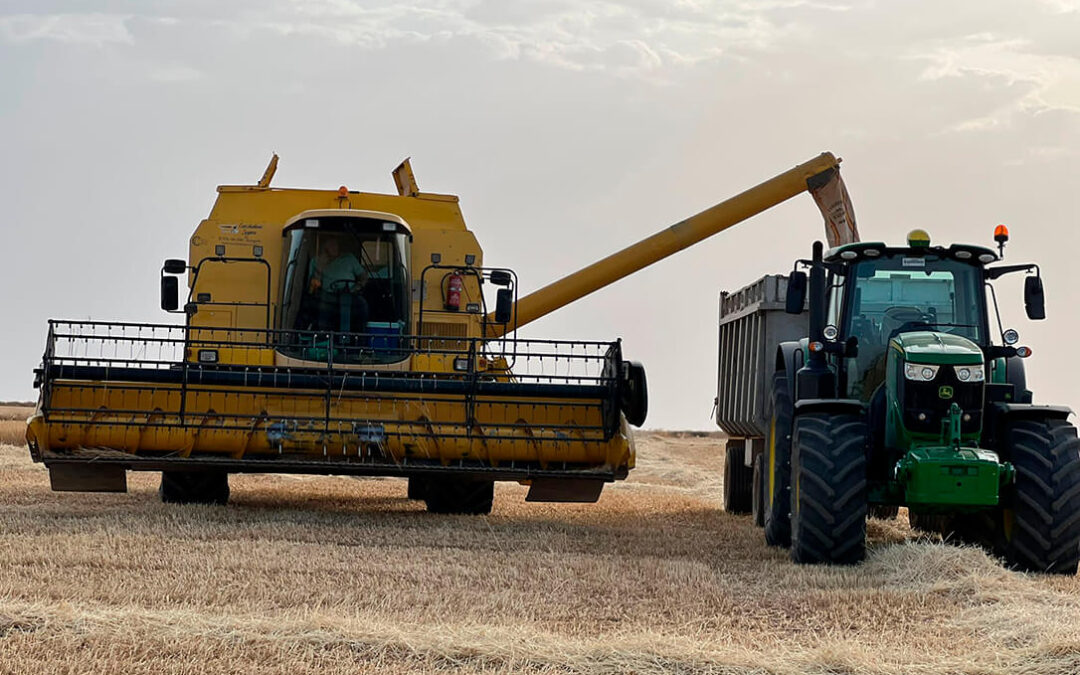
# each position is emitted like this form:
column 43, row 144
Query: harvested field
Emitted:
column 328, row 575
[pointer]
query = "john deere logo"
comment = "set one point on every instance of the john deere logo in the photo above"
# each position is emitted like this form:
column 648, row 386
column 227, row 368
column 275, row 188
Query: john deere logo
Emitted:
column 945, row 392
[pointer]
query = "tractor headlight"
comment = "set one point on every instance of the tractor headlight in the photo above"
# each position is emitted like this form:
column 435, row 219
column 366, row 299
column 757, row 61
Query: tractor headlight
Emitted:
column 920, row 372
column 970, row 373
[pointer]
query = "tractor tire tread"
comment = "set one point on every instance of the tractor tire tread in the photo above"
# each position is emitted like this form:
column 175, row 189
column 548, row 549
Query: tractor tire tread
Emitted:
column 1045, row 498
column 829, row 504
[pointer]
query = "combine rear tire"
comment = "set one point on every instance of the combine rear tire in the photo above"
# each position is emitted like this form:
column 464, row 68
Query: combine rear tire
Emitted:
column 468, row 496
column 757, row 496
column 738, row 480
column 1039, row 523
column 777, row 466
column 194, row 487
column 828, row 493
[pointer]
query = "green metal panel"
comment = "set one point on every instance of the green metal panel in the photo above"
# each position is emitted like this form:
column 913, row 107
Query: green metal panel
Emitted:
column 934, row 348
column 954, row 476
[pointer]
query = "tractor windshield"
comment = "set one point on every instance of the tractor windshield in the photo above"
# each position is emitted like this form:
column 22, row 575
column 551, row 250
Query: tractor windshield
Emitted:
column 345, row 276
column 894, row 294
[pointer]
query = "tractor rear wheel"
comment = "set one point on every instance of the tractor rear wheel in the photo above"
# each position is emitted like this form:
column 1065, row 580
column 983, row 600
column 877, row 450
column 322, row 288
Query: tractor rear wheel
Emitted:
column 1039, row 522
column 777, row 466
column 194, row 487
column 738, row 480
column 757, row 496
column 468, row 496
column 828, row 492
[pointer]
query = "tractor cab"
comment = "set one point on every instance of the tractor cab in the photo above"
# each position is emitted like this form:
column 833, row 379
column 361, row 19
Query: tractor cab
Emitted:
column 879, row 295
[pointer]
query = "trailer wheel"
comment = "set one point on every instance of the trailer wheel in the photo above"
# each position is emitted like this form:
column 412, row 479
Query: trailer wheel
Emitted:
column 194, row 487
column 777, row 466
column 1039, row 522
column 828, row 492
column 757, row 497
column 738, row 482
column 468, row 496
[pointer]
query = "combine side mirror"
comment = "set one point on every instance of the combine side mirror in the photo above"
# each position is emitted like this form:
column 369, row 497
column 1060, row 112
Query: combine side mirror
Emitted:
column 170, row 293
column 173, row 266
column 504, row 305
column 796, row 293
column 500, row 277
column 1034, row 298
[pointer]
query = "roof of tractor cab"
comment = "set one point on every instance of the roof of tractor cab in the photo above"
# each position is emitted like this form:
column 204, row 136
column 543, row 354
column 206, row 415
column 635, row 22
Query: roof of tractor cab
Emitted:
column 868, row 250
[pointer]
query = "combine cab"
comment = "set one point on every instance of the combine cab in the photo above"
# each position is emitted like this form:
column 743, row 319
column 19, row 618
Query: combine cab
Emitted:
column 340, row 332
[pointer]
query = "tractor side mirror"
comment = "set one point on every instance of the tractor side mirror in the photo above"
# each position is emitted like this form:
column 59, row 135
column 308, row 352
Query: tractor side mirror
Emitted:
column 170, row 293
column 504, row 305
column 1034, row 298
column 796, row 293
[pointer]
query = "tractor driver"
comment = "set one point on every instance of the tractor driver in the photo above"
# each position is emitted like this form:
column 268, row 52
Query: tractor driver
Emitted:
column 338, row 278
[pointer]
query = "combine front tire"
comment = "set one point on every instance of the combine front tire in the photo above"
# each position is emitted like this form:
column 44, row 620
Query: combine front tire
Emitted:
column 459, row 495
column 417, row 487
column 194, row 487
column 777, row 466
column 738, row 480
column 1040, row 515
column 828, row 492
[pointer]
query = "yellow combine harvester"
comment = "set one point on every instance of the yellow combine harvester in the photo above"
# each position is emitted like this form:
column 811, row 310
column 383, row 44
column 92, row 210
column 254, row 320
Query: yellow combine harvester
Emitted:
column 341, row 332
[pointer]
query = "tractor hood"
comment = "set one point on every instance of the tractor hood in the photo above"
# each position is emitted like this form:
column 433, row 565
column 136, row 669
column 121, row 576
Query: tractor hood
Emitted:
column 937, row 348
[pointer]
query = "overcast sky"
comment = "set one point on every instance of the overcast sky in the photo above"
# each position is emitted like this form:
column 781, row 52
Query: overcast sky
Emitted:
column 569, row 129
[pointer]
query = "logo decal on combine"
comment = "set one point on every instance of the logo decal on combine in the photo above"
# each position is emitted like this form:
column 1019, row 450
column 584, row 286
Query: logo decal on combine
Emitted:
column 945, row 392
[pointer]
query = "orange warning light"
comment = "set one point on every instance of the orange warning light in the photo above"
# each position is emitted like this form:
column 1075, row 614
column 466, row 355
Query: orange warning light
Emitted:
column 1001, row 233
column 344, row 192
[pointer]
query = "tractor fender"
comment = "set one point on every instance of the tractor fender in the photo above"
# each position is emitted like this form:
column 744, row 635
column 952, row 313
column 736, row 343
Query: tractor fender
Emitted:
column 1000, row 415
column 832, row 406
column 790, row 356
column 1016, row 376
column 1014, row 411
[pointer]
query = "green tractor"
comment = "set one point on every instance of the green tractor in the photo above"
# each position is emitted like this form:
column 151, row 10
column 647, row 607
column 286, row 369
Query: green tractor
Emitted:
column 898, row 397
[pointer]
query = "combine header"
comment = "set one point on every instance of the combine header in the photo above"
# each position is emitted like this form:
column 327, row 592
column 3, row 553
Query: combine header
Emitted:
column 340, row 332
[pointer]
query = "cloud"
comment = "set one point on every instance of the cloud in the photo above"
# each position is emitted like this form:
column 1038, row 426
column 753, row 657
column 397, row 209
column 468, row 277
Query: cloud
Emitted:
column 1048, row 82
column 635, row 38
column 89, row 29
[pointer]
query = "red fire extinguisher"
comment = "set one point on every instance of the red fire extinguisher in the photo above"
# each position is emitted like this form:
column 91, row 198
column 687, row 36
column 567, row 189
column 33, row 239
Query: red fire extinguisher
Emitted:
column 454, row 287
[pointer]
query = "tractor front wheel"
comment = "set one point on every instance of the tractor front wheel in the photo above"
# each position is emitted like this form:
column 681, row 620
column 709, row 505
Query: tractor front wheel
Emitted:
column 828, row 489
column 1039, row 522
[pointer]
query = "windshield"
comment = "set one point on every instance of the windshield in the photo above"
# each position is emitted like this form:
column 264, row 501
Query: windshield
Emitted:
column 346, row 276
column 896, row 294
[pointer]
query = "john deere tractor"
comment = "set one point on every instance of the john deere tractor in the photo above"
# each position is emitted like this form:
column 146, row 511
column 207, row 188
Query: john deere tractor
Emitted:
column 899, row 396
